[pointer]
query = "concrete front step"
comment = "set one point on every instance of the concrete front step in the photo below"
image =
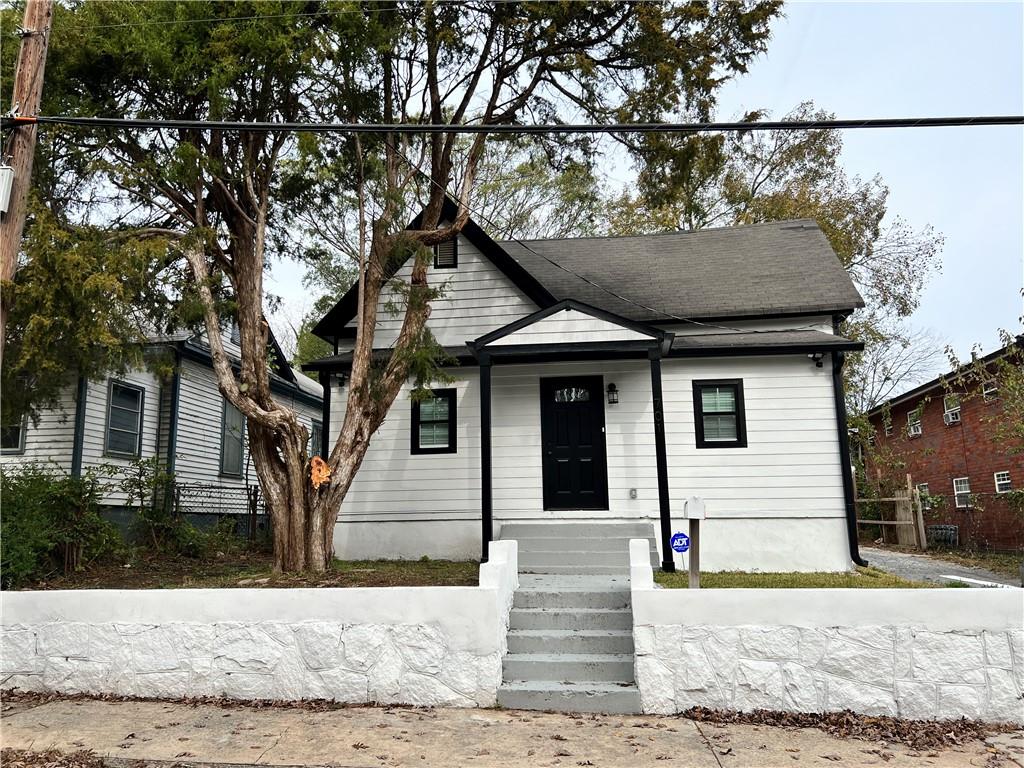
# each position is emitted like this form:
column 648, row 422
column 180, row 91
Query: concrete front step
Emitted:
column 578, row 544
column 578, row 530
column 609, row 698
column 575, row 569
column 529, row 558
column 592, row 667
column 573, row 598
column 579, row 618
column 570, row 641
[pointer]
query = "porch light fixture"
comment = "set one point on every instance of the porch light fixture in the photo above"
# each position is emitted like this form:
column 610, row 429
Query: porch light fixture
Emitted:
column 340, row 379
column 613, row 394
column 817, row 357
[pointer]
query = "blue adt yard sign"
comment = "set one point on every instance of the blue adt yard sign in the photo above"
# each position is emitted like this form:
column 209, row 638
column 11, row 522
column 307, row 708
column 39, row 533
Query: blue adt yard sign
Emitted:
column 680, row 542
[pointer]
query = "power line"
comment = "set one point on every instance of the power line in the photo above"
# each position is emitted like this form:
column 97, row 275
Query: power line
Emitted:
column 510, row 128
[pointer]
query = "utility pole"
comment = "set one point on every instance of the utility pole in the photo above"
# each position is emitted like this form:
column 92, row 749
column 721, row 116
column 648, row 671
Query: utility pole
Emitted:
column 26, row 98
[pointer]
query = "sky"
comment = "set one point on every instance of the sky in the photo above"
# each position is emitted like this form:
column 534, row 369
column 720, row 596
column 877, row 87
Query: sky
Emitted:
column 896, row 59
column 893, row 59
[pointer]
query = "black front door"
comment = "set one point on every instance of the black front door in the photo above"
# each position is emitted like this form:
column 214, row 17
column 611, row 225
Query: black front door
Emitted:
column 572, row 432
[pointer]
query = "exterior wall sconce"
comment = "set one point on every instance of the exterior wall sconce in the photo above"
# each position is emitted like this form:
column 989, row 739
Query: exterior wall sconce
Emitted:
column 340, row 379
column 613, row 394
column 817, row 357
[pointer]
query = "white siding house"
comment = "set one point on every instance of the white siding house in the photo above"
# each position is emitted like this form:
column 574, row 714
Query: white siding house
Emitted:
column 181, row 418
column 561, row 346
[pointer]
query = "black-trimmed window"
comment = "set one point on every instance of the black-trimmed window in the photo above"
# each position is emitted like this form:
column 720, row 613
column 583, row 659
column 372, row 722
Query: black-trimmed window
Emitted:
column 446, row 254
column 316, row 439
column 232, row 440
column 12, row 437
column 433, row 423
column 124, row 420
column 718, row 414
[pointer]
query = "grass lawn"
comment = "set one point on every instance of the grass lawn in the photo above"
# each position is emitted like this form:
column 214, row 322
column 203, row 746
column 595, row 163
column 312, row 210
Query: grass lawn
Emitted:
column 862, row 578
column 248, row 569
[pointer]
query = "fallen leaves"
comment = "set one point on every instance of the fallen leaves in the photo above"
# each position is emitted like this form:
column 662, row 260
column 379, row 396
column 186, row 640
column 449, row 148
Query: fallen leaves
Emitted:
column 916, row 734
column 50, row 758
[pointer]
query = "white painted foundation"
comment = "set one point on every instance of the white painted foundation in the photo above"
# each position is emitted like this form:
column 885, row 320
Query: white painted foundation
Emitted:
column 931, row 653
column 425, row 646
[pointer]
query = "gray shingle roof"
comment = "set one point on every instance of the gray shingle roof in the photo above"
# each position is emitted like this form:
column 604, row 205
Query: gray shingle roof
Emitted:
column 759, row 269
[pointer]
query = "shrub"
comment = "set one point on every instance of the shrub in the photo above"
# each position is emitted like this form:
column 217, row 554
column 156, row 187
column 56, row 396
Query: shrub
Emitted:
column 50, row 521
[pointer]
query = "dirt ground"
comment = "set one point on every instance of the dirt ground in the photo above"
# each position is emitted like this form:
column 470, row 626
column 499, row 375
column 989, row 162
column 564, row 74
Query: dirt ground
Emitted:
column 253, row 569
column 166, row 733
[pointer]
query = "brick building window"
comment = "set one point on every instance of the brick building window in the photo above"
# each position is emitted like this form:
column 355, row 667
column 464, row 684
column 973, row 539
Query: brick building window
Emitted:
column 887, row 425
column 962, row 492
column 914, row 422
column 926, row 498
column 1003, row 483
column 951, row 409
column 989, row 391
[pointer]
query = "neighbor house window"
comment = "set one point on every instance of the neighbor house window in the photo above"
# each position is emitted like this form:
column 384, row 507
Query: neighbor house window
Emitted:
column 12, row 437
column 446, row 254
column 951, row 409
column 124, row 420
column 718, row 414
column 316, row 437
column 914, row 422
column 1003, row 484
column 924, row 495
column 989, row 391
column 887, row 426
column 962, row 492
column 232, row 440
column 433, row 423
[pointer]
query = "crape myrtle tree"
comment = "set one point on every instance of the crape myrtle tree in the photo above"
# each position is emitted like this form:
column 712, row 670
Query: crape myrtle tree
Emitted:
column 223, row 197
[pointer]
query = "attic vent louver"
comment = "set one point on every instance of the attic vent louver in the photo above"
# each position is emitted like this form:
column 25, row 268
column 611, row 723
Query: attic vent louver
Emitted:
column 446, row 254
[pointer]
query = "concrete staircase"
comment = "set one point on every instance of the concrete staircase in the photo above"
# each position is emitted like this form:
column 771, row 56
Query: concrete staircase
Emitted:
column 570, row 640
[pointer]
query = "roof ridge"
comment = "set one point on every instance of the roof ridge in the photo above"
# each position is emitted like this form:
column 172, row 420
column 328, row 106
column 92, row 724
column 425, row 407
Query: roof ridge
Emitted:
column 781, row 224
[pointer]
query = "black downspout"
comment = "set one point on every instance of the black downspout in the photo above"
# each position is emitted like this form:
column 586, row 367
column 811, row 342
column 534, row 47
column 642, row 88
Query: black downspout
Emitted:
column 487, row 530
column 838, row 390
column 325, row 416
column 79, row 438
column 172, row 422
column 665, row 509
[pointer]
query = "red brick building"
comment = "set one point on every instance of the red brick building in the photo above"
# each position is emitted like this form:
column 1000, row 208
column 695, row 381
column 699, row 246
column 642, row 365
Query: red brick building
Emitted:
column 942, row 433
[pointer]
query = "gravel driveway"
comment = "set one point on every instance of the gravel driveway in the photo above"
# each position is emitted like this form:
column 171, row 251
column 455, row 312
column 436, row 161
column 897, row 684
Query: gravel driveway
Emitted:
column 923, row 568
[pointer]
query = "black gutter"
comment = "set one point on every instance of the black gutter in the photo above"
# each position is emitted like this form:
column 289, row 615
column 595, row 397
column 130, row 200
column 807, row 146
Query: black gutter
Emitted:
column 839, row 392
column 79, row 439
column 486, row 489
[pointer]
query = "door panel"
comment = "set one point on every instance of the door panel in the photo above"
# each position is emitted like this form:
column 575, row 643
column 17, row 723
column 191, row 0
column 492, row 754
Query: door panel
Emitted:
column 572, row 429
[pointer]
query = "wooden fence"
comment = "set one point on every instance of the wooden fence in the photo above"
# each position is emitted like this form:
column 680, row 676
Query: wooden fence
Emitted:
column 901, row 516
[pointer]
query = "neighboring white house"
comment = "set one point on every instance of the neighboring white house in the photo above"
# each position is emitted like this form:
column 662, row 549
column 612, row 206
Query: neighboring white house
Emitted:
column 182, row 418
column 611, row 379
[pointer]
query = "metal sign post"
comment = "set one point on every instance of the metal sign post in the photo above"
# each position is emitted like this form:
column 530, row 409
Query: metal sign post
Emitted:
column 693, row 511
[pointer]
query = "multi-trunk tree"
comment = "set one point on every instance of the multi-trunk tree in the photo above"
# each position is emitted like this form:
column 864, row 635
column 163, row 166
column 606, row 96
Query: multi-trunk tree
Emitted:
column 223, row 199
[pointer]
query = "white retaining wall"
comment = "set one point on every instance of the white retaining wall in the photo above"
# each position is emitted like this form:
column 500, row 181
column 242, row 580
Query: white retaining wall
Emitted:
column 413, row 645
column 914, row 653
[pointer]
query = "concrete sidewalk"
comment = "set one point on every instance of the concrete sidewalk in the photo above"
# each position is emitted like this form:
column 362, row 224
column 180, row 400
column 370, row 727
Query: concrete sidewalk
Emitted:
column 364, row 737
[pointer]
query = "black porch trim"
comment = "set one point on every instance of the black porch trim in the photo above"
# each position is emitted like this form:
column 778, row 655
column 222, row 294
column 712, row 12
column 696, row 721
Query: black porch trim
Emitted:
column 843, row 435
column 750, row 350
column 661, row 454
column 562, row 306
column 332, row 325
column 325, row 417
column 593, row 350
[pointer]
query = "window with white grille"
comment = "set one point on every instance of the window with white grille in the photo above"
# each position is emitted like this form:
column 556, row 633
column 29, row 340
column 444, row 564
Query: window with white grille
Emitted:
column 1003, row 482
column 962, row 492
column 914, row 422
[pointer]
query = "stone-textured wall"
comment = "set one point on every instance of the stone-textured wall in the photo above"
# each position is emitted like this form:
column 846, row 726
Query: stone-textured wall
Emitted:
column 403, row 645
column 875, row 670
column 915, row 653
column 402, row 663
